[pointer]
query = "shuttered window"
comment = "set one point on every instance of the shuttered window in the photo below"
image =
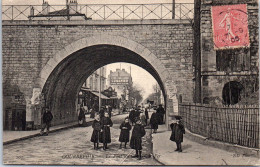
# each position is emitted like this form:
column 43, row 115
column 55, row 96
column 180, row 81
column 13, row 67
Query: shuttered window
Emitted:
column 236, row 60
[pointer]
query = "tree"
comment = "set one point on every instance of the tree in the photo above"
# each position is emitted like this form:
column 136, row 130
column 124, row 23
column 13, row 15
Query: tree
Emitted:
column 135, row 95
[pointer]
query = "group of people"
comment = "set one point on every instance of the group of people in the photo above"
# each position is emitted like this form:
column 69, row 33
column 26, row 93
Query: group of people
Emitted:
column 101, row 133
column 102, row 123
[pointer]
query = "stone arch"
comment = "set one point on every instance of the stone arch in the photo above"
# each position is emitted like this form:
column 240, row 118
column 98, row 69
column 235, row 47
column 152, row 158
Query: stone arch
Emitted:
column 167, row 81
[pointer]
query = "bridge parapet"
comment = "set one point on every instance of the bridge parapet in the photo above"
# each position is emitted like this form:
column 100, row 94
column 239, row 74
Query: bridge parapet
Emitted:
column 160, row 11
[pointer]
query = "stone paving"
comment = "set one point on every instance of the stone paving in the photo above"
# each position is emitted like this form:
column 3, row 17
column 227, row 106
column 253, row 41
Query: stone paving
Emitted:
column 73, row 147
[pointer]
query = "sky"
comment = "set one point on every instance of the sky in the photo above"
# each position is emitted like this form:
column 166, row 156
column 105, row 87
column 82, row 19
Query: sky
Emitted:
column 138, row 75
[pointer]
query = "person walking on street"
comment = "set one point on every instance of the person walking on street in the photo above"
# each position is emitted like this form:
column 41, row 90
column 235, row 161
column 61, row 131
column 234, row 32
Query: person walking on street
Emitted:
column 102, row 112
column 160, row 111
column 81, row 116
column 146, row 116
column 154, row 121
column 96, row 132
column 178, row 130
column 46, row 119
column 125, row 130
column 143, row 118
column 106, row 123
column 132, row 116
column 136, row 139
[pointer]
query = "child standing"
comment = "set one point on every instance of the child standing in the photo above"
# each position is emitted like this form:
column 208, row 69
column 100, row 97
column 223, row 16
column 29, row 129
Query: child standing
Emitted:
column 96, row 131
column 177, row 132
column 125, row 130
column 136, row 139
column 106, row 123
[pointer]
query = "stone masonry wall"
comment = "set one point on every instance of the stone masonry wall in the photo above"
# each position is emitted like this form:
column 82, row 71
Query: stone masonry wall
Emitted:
column 212, row 80
column 27, row 48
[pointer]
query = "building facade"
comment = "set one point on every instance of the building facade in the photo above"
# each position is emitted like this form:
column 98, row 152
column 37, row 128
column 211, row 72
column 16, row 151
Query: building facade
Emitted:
column 122, row 82
column 229, row 76
column 89, row 93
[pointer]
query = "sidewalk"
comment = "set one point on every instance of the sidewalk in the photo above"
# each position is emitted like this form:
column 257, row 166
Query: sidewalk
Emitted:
column 13, row 136
column 194, row 153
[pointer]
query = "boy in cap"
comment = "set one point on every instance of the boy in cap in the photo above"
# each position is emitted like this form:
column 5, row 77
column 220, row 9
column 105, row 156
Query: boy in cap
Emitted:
column 178, row 130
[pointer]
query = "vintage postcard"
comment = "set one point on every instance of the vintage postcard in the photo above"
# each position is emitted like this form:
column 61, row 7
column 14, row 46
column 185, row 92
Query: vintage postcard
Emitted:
column 130, row 82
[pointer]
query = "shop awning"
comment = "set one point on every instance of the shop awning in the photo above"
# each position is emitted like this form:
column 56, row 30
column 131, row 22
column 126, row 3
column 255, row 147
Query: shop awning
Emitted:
column 102, row 96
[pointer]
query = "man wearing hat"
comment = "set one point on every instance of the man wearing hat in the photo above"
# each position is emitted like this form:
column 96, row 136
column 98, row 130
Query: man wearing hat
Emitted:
column 178, row 130
column 46, row 120
column 160, row 111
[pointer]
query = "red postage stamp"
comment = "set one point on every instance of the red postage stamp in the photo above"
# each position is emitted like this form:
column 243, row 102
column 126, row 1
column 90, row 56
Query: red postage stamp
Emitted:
column 230, row 26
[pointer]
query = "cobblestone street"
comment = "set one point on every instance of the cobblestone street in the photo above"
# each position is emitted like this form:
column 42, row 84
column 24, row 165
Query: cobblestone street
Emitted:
column 73, row 147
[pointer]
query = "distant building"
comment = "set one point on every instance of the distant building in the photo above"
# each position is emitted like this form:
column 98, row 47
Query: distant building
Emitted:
column 70, row 13
column 121, row 81
column 89, row 93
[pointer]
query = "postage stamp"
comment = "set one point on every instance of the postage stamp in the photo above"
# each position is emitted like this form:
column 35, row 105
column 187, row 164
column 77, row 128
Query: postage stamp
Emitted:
column 230, row 26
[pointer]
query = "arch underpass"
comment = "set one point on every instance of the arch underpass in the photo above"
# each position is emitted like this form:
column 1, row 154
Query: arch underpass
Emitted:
column 64, row 74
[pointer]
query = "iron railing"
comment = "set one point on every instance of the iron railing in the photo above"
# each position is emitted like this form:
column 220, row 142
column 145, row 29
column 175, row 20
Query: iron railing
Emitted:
column 99, row 12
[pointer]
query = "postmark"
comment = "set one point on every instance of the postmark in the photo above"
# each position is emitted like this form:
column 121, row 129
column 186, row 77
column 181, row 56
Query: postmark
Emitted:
column 230, row 26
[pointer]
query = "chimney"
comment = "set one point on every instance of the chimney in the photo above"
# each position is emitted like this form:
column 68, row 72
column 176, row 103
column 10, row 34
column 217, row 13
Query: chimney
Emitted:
column 45, row 8
column 73, row 6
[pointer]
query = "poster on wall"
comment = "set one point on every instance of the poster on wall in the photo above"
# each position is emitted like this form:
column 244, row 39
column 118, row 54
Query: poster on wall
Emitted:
column 230, row 26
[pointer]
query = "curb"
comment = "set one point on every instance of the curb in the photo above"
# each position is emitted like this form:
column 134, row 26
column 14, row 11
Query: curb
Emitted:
column 51, row 131
column 224, row 146
column 154, row 154
column 38, row 134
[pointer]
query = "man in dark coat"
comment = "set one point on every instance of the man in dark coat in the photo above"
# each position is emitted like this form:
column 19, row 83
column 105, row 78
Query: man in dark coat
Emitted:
column 106, row 123
column 81, row 116
column 101, row 112
column 178, row 130
column 146, row 116
column 136, row 138
column 132, row 116
column 160, row 111
column 96, row 131
column 125, row 130
column 46, row 120
column 154, row 121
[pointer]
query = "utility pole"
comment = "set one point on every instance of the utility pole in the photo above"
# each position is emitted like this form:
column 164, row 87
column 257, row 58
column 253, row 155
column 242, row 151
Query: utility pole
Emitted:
column 173, row 9
column 99, row 100
column 68, row 10
column 197, row 51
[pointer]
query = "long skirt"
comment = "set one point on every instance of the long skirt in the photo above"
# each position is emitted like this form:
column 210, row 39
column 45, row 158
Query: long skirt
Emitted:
column 105, row 135
column 136, row 143
column 95, row 136
column 154, row 126
column 124, row 136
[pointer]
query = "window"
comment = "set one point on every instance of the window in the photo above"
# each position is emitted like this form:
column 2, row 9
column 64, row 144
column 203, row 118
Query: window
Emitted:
column 231, row 92
column 234, row 60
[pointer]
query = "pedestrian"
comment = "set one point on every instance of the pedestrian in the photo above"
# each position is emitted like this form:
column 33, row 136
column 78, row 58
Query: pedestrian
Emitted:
column 178, row 130
column 101, row 112
column 81, row 116
column 143, row 118
column 46, row 120
column 131, row 116
column 109, row 111
column 154, row 121
column 92, row 113
column 106, row 123
column 136, row 139
column 160, row 111
column 96, row 125
column 146, row 116
column 125, row 130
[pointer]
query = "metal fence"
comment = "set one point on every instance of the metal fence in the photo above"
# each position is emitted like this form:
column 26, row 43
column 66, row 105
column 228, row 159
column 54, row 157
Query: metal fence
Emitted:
column 233, row 124
column 99, row 11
